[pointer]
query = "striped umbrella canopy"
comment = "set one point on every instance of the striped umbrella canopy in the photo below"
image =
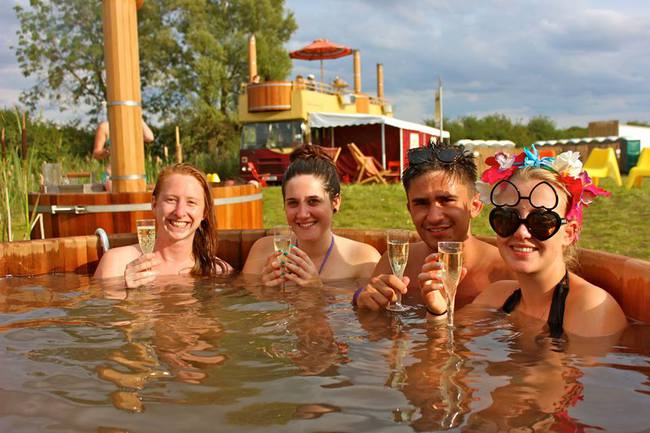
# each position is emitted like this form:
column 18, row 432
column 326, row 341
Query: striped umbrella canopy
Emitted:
column 321, row 49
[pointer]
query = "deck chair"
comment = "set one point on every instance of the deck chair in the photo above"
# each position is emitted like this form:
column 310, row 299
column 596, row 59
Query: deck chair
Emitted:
column 369, row 169
column 333, row 152
column 602, row 163
column 641, row 170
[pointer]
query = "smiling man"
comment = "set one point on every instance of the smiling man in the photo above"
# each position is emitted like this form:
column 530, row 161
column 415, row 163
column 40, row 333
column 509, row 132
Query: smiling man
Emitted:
column 442, row 200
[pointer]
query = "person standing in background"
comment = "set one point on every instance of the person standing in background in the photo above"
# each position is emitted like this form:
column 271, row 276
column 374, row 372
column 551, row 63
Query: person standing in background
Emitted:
column 101, row 148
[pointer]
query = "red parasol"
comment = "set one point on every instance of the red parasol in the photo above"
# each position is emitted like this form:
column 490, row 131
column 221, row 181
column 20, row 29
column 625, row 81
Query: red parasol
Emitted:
column 321, row 49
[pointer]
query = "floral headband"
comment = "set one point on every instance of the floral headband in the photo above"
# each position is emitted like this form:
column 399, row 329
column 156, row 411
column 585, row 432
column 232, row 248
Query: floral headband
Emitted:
column 567, row 166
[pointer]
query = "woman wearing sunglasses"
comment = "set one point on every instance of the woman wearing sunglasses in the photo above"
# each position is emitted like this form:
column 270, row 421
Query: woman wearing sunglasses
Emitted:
column 537, row 217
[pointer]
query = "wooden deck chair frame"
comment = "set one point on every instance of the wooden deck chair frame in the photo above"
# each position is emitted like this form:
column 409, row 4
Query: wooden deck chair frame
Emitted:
column 641, row 170
column 368, row 166
column 333, row 152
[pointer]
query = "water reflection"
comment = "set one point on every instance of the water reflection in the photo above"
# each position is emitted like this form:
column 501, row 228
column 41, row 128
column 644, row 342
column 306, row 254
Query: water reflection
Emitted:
column 243, row 358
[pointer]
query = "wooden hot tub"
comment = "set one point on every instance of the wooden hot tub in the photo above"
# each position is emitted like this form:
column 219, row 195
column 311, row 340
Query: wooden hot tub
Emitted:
column 627, row 279
column 73, row 214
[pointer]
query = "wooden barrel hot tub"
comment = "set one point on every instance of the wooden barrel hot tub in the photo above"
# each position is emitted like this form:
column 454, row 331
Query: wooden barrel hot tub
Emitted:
column 75, row 214
column 627, row 279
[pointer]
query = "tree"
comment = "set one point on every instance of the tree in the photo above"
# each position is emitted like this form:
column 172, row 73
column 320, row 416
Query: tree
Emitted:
column 60, row 44
column 192, row 52
column 499, row 127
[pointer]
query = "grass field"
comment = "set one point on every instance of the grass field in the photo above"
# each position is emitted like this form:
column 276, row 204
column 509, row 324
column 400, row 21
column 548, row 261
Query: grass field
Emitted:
column 619, row 224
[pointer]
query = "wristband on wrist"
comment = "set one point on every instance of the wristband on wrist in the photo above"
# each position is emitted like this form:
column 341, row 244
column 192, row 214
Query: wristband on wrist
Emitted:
column 430, row 311
column 356, row 295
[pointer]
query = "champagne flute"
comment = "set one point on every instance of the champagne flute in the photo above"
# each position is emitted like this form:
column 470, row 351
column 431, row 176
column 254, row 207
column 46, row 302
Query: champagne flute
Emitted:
column 283, row 240
column 451, row 257
column 398, row 253
column 146, row 234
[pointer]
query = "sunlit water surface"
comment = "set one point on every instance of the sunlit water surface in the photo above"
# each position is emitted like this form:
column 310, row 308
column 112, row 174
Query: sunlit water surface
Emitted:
column 225, row 355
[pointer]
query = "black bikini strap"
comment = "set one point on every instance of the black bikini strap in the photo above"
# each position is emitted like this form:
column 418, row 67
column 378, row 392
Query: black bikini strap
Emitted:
column 556, row 315
column 555, row 319
column 512, row 302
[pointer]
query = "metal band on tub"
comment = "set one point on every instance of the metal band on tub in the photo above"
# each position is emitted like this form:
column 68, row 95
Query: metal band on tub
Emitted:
column 129, row 177
column 127, row 102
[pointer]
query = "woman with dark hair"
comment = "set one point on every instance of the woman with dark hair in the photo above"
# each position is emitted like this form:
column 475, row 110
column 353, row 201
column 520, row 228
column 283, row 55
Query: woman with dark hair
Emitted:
column 537, row 218
column 312, row 195
column 186, row 233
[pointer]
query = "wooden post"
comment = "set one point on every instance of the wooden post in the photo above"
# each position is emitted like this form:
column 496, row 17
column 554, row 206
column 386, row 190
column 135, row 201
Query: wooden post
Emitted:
column 380, row 81
column 252, row 59
column 24, row 148
column 123, row 91
column 357, row 71
column 179, row 147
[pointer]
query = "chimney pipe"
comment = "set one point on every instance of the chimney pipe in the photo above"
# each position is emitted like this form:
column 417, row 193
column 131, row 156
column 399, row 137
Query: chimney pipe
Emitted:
column 252, row 59
column 357, row 71
column 380, row 81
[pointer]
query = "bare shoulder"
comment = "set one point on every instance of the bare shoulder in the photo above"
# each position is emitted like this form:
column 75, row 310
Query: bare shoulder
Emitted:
column 491, row 260
column 259, row 252
column 114, row 261
column 357, row 252
column 360, row 258
column 495, row 294
column 591, row 311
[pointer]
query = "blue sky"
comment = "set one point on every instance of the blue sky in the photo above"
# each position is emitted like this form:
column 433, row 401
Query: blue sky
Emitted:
column 571, row 61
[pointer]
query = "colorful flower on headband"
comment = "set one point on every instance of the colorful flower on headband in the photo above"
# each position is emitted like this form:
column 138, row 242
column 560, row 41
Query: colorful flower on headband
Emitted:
column 502, row 166
column 532, row 159
column 566, row 165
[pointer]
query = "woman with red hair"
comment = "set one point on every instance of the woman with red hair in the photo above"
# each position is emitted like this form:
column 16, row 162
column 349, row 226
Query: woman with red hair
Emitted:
column 186, row 233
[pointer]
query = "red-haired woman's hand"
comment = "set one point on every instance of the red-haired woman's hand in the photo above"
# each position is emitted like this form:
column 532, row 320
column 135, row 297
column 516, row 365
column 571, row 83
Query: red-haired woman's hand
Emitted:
column 139, row 272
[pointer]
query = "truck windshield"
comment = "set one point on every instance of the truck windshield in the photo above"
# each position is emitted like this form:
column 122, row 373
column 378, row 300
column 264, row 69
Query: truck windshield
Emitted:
column 272, row 135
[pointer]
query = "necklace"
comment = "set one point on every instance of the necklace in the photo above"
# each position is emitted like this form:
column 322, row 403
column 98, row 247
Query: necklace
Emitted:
column 327, row 256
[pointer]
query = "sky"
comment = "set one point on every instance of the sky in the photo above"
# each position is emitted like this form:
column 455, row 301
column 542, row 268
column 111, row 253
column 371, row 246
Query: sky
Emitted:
column 574, row 62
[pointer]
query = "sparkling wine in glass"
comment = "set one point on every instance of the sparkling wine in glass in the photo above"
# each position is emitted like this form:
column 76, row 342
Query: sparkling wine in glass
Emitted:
column 146, row 234
column 398, row 253
column 451, row 257
column 283, row 239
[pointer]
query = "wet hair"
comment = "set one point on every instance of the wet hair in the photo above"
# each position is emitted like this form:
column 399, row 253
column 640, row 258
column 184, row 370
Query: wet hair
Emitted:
column 205, row 244
column 462, row 168
column 570, row 252
column 312, row 159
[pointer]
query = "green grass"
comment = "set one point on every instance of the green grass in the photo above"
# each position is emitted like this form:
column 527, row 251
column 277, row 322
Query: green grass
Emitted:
column 620, row 224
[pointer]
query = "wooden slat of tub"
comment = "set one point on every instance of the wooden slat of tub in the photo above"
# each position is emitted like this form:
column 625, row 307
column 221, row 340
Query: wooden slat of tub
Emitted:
column 625, row 278
column 4, row 257
column 122, row 239
column 21, row 260
column 248, row 238
column 230, row 247
column 54, row 255
column 76, row 258
column 93, row 253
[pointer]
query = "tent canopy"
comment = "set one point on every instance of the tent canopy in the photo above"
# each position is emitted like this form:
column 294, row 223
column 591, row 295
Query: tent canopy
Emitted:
column 333, row 120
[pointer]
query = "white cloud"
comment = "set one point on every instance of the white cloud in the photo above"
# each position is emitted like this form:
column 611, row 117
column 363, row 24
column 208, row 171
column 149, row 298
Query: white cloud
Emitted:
column 571, row 61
